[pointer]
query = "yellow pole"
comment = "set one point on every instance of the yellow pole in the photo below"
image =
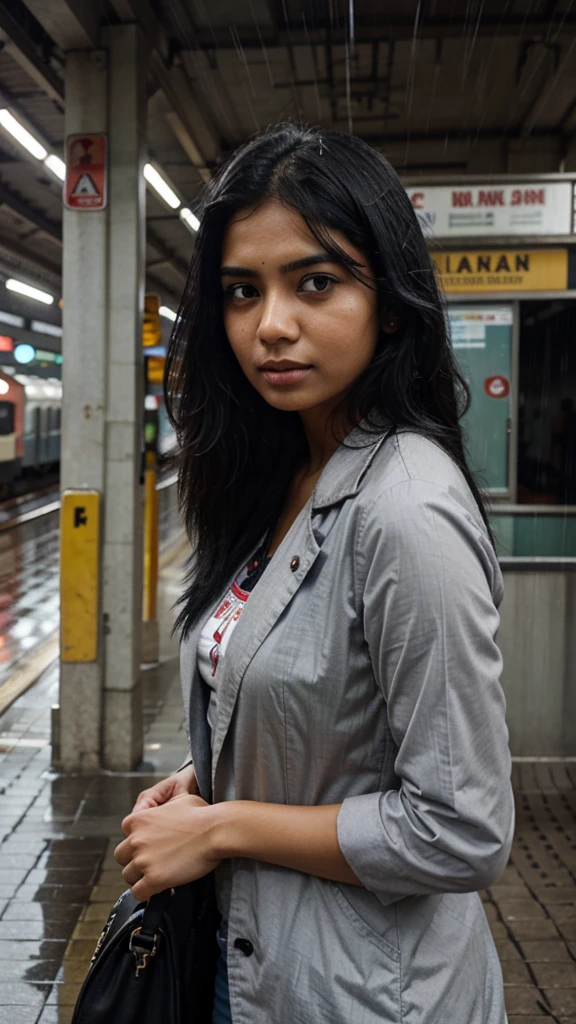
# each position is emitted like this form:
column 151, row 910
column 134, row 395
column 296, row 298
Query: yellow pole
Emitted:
column 150, row 540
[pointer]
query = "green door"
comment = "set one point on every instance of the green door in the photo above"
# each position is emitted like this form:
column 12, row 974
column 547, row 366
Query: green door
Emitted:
column 482, row 343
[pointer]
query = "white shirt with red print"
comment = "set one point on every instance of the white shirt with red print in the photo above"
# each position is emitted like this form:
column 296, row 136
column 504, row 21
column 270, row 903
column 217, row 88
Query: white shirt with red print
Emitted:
column 214, row 640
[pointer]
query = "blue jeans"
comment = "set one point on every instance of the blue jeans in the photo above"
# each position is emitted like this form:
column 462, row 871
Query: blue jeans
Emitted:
column 221, row 1011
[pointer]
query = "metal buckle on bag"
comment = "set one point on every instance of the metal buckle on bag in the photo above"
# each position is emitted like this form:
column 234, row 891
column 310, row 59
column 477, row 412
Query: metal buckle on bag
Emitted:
column 102, row 937
column 141, row 954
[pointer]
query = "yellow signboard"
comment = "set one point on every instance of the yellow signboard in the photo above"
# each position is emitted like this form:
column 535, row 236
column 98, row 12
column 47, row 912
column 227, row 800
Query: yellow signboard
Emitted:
column 503, row 270
column 151, row 326
column 155, row 369
column 79, row 575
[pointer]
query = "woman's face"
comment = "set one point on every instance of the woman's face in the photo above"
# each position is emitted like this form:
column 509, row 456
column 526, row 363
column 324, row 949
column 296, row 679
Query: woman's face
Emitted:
column 301, row 326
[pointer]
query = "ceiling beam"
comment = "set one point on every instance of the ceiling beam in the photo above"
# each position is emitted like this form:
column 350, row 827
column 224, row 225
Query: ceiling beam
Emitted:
column 167, row 254
column 25, row 53
column 21, row 253
column 162, row 287
column 396, row 28
column 448, row 137
column 18, row 206
column 72, row 24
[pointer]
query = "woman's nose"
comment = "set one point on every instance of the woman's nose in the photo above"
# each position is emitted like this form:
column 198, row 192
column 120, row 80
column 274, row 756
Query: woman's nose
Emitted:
column 277, row 322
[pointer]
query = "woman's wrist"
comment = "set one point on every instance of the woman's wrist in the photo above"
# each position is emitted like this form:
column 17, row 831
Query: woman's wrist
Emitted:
column 226, row 828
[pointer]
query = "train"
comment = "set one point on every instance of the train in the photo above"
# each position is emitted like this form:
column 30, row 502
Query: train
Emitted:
column 30, row 426
column 30, row 418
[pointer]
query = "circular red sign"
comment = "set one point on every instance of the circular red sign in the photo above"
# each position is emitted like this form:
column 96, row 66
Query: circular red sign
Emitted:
column 497, row 387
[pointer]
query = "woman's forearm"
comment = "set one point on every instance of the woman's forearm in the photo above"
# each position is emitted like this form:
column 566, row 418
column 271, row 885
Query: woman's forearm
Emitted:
column 301, row 838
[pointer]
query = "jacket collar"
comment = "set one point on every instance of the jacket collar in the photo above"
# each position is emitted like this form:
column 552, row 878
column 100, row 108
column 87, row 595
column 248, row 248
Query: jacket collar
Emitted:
column 342, row 475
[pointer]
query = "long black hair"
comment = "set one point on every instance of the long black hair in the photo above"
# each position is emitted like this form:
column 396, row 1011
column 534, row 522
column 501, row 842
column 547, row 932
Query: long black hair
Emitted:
column 239, row 454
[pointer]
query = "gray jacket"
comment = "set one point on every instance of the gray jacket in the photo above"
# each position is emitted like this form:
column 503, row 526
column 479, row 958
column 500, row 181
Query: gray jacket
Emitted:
column 364, row 671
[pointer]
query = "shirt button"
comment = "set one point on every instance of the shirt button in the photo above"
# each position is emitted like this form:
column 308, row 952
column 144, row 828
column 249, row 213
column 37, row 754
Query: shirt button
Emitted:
column 244, row 945
column 294, row 563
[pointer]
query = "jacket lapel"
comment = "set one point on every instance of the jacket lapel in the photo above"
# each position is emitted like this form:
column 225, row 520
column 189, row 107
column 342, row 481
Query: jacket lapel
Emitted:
column 196, row 698
column 285, row 573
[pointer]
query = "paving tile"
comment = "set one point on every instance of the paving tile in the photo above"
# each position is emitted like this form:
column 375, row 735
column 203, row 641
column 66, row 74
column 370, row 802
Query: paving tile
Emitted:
column 19, row 1015
column 108, row 893
column 96, row 912
column 87, row 930
column 27, row 910
column 50, row 949
column 55, row 1015
column 555, row 975
column 553, row 951
column 520, row 910
column 507, row 950
column 523, row 1000
column 63, row 894
column 550, row 894
column 563, row 913
column 500, row 892
column 29, row 970
column 79, row 949
column 515, row 972
column 67, row 877
column 536, row 928
column 73, row 971
column 20, row 993
column 562, row 1000
column 35, row 930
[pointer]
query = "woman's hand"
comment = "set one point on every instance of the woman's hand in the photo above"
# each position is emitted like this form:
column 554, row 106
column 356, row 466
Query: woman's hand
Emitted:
column 179, row 784
column 167, row 845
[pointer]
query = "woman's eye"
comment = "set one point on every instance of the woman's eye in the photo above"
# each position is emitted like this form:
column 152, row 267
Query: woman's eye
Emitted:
column 241, row 291
column 317, row 283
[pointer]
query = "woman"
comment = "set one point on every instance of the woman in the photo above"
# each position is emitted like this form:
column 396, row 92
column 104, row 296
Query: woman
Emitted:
column 351, row 779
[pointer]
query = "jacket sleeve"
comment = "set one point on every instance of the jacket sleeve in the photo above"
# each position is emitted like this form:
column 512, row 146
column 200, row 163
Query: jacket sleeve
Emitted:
column 428, row 574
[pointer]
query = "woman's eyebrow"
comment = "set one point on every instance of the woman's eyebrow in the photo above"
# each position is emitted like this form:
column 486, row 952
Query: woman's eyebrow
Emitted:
column 306, row 261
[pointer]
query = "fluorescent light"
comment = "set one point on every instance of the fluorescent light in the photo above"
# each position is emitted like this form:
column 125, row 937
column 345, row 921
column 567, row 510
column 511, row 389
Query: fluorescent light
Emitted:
column 56, row 165
column 43, row 328
column 19, row 132
column 167, row 312
column 161, row 186
column 4, row 387
column 27, row 289
column 189, row 218
column 12, row 319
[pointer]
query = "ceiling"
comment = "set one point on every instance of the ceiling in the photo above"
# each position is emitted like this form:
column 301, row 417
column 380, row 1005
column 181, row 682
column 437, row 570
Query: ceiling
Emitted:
column 442, row 87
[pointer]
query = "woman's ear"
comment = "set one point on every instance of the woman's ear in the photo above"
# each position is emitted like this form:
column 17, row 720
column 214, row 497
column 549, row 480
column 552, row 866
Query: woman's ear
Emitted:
column 390, row 321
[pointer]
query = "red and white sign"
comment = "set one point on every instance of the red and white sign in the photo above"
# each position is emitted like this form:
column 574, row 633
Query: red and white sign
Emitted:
column 86, row 177
column 456, row 211
column 497, row 387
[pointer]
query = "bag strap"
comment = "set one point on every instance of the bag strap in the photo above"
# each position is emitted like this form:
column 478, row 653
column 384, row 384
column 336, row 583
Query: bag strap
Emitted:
column 146, row 936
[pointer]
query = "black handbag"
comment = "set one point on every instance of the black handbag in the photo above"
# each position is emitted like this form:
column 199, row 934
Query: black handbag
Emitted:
column 154, row 963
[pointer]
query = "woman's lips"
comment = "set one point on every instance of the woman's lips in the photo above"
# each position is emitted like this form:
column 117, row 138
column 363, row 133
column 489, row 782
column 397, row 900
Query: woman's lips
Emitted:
column 286, row 376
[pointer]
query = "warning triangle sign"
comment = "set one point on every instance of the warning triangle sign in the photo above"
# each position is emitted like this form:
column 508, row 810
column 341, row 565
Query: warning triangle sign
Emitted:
column 85, row 186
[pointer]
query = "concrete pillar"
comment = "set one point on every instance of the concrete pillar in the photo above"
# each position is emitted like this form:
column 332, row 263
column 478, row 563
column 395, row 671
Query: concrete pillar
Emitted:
column 100, row 702
column 84, row 346
column 123, row 543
